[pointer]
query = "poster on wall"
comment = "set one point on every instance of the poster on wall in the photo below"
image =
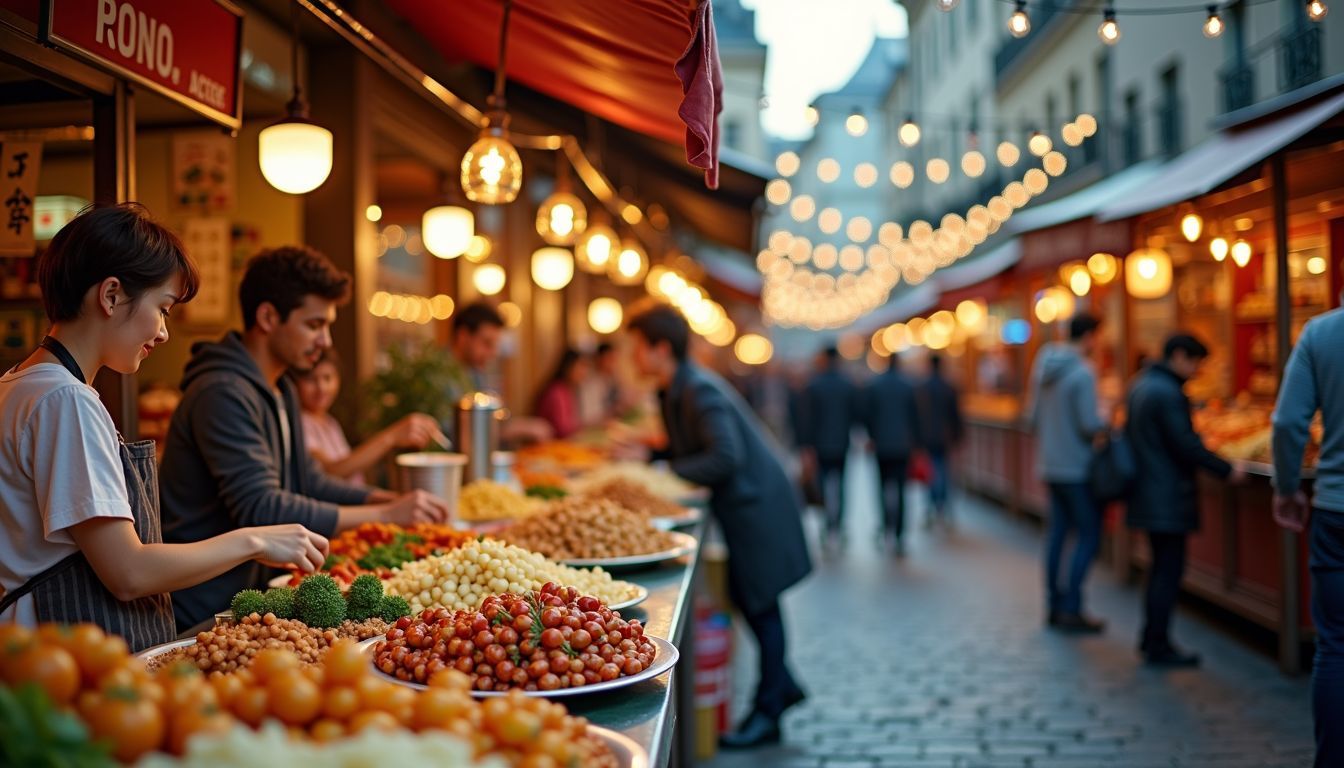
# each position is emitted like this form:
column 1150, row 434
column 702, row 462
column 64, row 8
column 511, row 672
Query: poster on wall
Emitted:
column 20, row 165
column 203, row 172
column 208, row 242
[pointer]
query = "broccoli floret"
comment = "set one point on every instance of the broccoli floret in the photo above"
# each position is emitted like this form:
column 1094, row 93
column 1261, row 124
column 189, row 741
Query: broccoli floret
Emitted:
column 393, row 607
column 246, row 603
column 279, row 601
column 318, row 602
column 365, row 598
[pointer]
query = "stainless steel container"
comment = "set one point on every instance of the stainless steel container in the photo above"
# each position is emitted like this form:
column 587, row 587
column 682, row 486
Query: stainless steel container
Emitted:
column 478, row 417
column 504, row 463
column 436, row 473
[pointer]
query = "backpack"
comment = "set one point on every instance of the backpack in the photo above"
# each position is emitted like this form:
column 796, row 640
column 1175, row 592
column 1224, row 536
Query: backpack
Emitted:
column 1113, row 469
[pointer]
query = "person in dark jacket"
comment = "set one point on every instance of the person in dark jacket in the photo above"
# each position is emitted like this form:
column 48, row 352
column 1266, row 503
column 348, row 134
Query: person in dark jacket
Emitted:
column 1164, row 502
column 892, row 418
column 940, row 430
column 235, row 453
column 714, row 441
column 830, row 411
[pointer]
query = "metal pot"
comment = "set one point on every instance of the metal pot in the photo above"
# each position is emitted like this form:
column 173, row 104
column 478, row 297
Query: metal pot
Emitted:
column 478, row 418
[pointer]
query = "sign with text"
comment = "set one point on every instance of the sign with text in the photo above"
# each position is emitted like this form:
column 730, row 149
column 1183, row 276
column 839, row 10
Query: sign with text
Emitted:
column 20, row 164
column 187, row 50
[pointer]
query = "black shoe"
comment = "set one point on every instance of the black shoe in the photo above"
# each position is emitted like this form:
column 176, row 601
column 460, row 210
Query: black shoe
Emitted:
column 1171, row 658
column 795, row 697
column 1078, row 623
column 756, row 731
column 1052, row 619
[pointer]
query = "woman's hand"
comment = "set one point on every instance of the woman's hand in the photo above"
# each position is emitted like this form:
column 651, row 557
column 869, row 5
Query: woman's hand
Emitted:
column 288, row 546
column 414, row 431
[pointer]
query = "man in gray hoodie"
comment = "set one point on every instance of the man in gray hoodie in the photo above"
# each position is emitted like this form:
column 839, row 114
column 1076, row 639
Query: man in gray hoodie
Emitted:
column 1063, row 414
column 1314, row 381
column 235, row 449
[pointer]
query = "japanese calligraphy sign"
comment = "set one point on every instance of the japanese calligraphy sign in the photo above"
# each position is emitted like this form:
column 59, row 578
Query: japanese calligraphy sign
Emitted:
column 20, row 165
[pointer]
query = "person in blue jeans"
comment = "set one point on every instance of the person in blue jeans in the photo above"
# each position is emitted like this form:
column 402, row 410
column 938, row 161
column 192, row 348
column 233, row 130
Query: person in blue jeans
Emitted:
column 832, row 408
column 1063, row 414
column 940, row 431
column 1314, row 381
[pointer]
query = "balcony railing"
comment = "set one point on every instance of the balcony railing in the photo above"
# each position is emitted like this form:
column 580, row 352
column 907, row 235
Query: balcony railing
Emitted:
column 1238, row 86
column 1132, row 141
column 1300, row 57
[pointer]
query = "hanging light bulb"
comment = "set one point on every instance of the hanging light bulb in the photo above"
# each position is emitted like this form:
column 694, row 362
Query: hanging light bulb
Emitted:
column 492, row 170
column 787, row 163
column 1019, row 24
column 1109, row 31
column 488, row 279
column 1055, row 163
column 909, row 132
column 630, row 265
column 295, row 153
column 1087, row 124
column 552, row 268
column 1241, row 253
column 973, row 164
column 478, row 250
column 937, row 170
column 605, row 315
column 1039, row 144
column 902, row 174
column 802, row 207
column 1317, row 9
column 812, row 115
column 947, row 5
column 828, row 170
column 777, row 191
column 1218, row 248
column 856, row 124
column 1213, row 25
column 561, row 218
column 1008, row 154
column 595, row 248
column 1191, row 226
column 447, row 230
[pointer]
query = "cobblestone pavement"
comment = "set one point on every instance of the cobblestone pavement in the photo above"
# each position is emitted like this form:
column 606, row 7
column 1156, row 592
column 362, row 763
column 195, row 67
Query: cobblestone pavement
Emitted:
column 940, row 660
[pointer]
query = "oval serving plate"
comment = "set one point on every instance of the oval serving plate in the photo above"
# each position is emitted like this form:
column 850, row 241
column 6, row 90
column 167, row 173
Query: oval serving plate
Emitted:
column 686, row 544
column 628, row 754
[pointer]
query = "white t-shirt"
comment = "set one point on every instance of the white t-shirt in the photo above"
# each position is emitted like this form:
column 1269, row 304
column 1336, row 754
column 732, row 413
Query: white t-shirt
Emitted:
column 60, row 464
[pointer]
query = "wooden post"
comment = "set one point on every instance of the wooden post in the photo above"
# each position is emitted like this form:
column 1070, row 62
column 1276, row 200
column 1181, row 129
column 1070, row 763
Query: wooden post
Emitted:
column 1290, row 603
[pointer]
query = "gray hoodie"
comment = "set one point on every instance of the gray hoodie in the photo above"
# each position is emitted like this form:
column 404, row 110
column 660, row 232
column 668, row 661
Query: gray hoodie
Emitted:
column 1063, row 414
column 1313, row 381
column 226, row 466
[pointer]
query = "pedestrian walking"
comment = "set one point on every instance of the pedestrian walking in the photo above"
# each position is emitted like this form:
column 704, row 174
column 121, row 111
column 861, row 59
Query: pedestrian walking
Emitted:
column 1164, row 503
column 941, row 429
column 715, row 441
column 892, row 418
column 1063, row 415
column 830, row 411
column 1314, row 381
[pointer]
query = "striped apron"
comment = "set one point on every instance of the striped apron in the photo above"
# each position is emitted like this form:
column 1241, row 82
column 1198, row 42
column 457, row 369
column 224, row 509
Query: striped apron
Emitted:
column 70, row 592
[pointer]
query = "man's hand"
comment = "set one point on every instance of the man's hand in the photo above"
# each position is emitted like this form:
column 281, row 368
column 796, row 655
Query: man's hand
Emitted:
column 417, row 507
column 631, row 450
column 1238, row 476
column 380, row 496
column 1292, row 512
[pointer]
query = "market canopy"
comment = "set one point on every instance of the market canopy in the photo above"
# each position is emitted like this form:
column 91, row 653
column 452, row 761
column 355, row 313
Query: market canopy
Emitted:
column 649, row 65
column 1222, row 157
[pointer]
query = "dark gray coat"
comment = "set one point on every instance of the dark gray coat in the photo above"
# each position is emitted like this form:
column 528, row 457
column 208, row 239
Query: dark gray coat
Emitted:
column 940, row 425
column 892, row 415
column 714, row 441
column 224, row 468
column 1167, row 453
column 831, row 407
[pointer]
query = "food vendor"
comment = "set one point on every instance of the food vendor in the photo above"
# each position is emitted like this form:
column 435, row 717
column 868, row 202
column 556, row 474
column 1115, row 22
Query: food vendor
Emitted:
column 235, row 452
column 77, row 504
column 473, row 351
column 715, row 441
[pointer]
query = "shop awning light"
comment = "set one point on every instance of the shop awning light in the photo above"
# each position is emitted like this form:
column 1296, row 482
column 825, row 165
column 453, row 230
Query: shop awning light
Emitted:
column 295, row 153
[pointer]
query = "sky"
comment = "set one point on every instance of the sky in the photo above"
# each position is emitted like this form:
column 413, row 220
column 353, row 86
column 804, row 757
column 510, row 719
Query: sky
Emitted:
column 815, row 45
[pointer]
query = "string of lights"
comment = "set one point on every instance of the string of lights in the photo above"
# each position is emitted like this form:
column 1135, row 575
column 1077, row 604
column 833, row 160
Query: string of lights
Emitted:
column 1020, row 22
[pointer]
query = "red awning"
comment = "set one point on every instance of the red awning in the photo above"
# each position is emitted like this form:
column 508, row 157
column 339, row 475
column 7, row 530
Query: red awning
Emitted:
column 649, row 65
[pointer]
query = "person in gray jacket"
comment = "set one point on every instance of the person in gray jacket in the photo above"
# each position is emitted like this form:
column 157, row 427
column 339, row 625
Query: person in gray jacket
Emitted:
column 1314, row 381
column 235, row 452
column 1063, row 414
column 1165, row 501
column 892, row 418
column 715, row 441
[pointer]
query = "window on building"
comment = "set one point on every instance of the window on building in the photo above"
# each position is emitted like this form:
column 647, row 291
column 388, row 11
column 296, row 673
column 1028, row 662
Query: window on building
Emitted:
column 1075, row 96
column 732, row 134
column 1169, row 112
column 1133, row 128
column 1052, row 123
column 1098, row 146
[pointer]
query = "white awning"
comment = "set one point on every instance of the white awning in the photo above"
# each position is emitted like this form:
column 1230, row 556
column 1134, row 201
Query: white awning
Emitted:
column 1221, row 157
column 1112, row 190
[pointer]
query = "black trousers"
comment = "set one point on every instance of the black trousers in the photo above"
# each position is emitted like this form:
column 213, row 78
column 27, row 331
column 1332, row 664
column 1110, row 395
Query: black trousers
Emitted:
column 775, row 685
column 1164, row 587
column 831, row 483
column 891, row 474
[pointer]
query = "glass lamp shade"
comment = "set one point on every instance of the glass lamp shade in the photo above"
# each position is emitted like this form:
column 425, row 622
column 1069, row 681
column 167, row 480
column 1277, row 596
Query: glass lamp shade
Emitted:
column 295, row 155
column 630, row 265
column 1148, row 273
column 447, row 230
column 552, row 268
column 488, row 279
column 492, row 170
column 561, row 218
column 595, row 248
column 605, row 315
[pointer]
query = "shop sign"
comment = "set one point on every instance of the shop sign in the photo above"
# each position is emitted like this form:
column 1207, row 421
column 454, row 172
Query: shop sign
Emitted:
column 187, row 50
column 20, row 164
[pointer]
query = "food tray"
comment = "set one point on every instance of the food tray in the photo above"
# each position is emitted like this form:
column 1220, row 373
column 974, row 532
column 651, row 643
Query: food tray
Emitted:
column 689, row 516
column 628, row 753
column 665, row 660
column 686, row 544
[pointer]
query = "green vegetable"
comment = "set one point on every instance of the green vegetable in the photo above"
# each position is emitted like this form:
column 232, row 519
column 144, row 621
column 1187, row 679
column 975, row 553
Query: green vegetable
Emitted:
column 332, row 561
column 365, row 598
column 394, row 554
column 279, row 601
column 547, row 492
column 34, row 733
column 318, row 602
column 393, row 607
column 246, row 603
